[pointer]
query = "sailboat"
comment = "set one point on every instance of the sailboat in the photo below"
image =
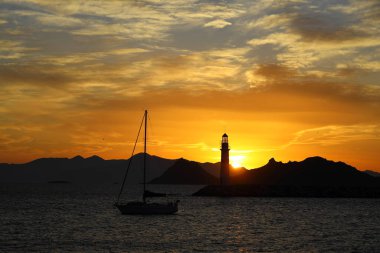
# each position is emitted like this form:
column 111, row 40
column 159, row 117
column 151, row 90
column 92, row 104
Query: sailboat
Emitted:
column 144, row 207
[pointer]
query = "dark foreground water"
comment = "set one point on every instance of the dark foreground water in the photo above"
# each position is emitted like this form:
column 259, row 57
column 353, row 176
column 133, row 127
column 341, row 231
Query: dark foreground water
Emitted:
column 68, row 218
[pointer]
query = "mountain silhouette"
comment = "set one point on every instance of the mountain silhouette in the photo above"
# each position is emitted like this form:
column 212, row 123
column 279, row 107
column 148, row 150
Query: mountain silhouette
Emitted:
column 95, row 170
column 372, row 173
column 212, row 168
column 79, row 170
column 313, row 171
column 312, row 177
column 185, row 172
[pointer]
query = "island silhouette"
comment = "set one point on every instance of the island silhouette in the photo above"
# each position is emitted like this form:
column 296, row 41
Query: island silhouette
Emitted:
column 312, row 177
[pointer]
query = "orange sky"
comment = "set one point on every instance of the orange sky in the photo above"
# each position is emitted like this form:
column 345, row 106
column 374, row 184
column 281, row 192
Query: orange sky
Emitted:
column 284, row 79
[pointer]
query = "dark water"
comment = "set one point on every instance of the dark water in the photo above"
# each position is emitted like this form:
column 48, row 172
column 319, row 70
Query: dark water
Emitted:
column 68, row 218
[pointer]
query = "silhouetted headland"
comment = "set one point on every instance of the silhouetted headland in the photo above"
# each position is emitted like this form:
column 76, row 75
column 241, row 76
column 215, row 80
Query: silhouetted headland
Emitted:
column 185, row 172
column 312, row 177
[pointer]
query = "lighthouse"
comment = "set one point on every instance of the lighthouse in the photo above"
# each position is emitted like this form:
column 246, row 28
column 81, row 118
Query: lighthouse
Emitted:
column 225, row 161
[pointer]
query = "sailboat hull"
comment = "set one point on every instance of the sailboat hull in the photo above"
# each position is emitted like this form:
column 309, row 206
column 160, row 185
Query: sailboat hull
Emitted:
column 144, row 208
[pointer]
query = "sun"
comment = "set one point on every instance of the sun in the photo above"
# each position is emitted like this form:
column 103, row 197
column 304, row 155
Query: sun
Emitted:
column 237, row 160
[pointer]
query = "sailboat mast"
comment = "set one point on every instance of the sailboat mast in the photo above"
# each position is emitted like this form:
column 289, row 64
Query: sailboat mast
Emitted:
column 146, row 118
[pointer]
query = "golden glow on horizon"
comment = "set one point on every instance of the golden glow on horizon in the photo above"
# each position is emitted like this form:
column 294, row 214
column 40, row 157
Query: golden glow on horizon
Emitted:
column 237, row 161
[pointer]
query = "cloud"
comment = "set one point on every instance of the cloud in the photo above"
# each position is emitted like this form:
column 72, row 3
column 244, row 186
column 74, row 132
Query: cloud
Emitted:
column 346, row 70
column 13, row 50
column 35, row 75
column 128, row 19
column 199, row 12
column 117, row 18
column 308, row 36
column 368, row 62
column 364, row 8
column 136, row 31
column 60, row 21
column 198, row 71
column 269, row 22
column 90, row 58
column 219, row 23
column 282, row 39
column 296, row 52
column 336, row 134
column 265, row 74
column 124, row 51
column 14, row 139
column 274, row 71
column 319, row 27
column 329, row 136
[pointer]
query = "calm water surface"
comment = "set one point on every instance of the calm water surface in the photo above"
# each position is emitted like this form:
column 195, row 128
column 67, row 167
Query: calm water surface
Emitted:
column 69, row 218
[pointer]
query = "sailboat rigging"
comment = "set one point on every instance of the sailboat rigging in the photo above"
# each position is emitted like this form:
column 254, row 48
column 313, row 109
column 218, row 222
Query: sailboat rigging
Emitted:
column 143, row 207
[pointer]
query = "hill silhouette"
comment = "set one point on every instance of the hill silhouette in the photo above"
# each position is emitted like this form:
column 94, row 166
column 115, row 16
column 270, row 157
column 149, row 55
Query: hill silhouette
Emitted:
column 313, row 171
column 212, row 168
column 79, row 170
column 312, row 177
column 93, row 170
column 185, row 172
column 372, row 173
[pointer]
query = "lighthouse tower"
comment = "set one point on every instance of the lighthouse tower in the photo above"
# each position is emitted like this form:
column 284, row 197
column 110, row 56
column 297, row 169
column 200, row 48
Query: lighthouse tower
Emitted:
column 225, row 161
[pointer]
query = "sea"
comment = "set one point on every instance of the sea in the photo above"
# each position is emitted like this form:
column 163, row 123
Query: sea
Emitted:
column 71, row 218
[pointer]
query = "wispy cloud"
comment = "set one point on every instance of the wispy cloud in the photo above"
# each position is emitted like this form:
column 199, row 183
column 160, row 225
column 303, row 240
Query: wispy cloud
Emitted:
column 13, row 50
column 219, row 23
column 336, row 134
column 331, row 135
